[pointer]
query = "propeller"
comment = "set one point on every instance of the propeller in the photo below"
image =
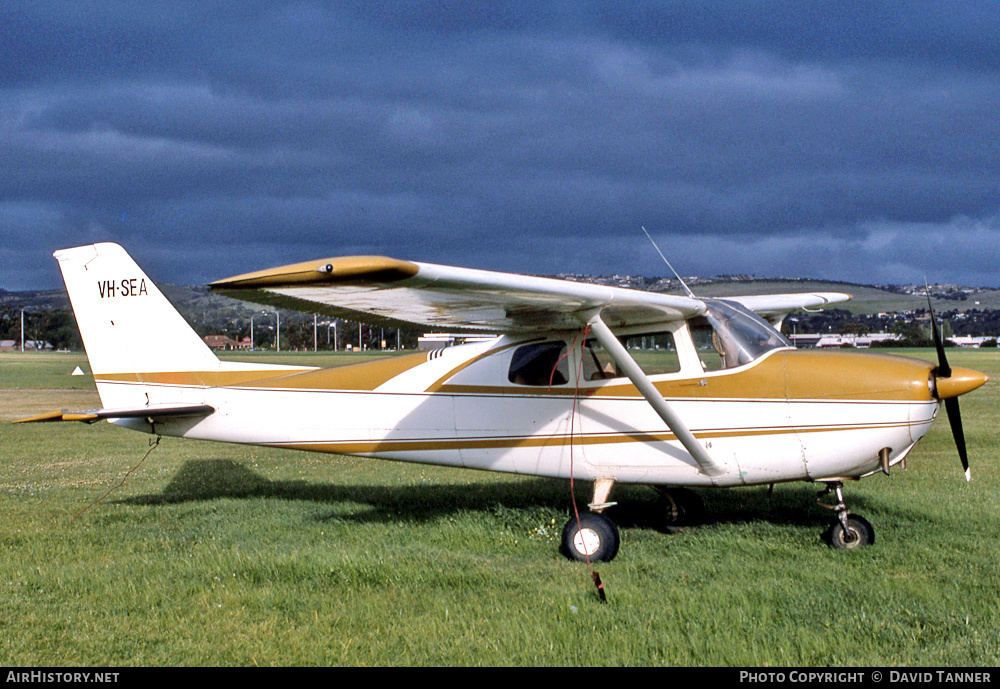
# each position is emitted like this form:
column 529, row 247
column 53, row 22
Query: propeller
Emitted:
column 942, row 373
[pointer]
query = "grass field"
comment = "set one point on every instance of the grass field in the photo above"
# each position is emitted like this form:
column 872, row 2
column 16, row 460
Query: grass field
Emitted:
column 215, row 554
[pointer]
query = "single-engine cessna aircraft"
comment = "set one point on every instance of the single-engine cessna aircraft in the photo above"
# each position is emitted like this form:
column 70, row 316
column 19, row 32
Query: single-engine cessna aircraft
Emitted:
column 599, row 384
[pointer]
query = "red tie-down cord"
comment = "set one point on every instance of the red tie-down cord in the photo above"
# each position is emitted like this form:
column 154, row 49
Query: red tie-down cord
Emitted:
column 595, row 576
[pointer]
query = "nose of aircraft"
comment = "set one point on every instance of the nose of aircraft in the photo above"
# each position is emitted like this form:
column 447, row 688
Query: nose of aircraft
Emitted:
column 949, row 383
column 961, row 381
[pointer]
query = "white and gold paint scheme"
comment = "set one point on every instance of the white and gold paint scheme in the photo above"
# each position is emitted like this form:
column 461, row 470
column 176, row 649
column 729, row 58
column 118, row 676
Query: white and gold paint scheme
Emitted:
column 598, row 383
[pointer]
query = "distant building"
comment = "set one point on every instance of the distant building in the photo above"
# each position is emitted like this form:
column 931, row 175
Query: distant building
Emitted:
column 36, row 345
column 835, row 341
column 441, row 340
column 973, row 342
column 224, row 342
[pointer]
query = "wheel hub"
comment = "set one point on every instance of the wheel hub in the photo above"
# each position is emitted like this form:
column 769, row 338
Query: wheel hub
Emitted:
column 586, row 541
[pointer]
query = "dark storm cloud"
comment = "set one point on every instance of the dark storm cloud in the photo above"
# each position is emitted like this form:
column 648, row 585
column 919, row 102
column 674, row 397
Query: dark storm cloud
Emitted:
column 851, row 142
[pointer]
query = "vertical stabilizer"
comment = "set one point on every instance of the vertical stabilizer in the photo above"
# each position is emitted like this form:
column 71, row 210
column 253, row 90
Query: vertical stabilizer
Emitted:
column 127, row 325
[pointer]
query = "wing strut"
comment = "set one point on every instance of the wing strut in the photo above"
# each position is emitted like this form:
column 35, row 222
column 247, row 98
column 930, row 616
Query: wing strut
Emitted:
column 645, row 386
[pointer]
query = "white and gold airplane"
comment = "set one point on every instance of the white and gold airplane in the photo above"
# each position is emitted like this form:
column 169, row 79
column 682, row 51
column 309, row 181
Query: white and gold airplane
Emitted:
column 599, row 384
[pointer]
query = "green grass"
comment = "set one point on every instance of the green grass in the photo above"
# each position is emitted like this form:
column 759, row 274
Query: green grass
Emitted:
column 214, row 554
column 39, row 370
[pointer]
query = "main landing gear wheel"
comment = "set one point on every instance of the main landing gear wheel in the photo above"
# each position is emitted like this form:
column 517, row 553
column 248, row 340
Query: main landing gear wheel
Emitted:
column 679, row 507
column 858, row 534
column 594, row 537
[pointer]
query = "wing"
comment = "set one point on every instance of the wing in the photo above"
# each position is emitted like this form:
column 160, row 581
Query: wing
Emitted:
column 774, row 307
column 388, row 291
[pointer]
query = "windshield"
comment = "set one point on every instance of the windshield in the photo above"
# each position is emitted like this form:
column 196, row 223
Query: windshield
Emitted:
column 737, row 334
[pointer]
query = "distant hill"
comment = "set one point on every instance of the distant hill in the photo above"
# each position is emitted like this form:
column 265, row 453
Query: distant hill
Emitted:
column 186, row 299
column 865, row 299
column 208, row 313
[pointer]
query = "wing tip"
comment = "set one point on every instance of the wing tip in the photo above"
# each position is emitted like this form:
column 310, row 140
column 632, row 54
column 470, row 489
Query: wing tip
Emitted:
column 340, row 269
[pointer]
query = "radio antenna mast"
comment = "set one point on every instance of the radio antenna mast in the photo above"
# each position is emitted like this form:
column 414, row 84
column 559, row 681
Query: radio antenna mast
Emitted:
column 683, row 284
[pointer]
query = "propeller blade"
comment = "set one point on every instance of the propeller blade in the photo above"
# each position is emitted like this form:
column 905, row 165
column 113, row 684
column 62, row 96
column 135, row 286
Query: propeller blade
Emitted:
column 944, row 370
column 955, row 419
column 951, row 403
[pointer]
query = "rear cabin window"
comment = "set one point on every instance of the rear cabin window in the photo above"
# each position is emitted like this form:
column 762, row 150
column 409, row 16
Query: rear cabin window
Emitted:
column 543, row 363
column 654, row 352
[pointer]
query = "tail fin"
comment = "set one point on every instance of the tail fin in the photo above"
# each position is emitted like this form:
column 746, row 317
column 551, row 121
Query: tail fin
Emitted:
column 127, row 325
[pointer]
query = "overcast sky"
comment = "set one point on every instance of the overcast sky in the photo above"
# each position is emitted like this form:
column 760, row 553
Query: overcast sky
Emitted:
column 839, row 140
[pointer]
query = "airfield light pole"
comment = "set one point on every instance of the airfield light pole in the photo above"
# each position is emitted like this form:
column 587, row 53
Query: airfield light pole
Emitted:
column 23, row 309
column 277, row 330
column 277, row 320
column 795, row 330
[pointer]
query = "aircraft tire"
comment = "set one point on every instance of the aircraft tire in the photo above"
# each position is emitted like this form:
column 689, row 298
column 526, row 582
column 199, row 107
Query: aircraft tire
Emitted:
column 595, row 535
column 860, row 534
column 679, row 507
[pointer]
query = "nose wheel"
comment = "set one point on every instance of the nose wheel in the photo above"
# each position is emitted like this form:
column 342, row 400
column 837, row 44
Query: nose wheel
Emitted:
column 858, row 534
column 849, row 531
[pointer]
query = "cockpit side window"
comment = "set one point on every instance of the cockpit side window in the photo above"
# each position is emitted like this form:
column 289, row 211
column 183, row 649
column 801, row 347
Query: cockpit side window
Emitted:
column 708, row 345
column 542, row 363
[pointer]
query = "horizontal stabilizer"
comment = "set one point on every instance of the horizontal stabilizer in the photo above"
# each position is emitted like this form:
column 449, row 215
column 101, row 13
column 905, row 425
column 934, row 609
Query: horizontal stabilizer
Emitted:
column 154, row 412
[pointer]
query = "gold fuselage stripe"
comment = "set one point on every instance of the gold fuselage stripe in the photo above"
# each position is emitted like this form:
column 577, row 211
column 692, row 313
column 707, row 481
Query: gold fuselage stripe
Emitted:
column 364, row 376
column 790, row 375
column 438, row 444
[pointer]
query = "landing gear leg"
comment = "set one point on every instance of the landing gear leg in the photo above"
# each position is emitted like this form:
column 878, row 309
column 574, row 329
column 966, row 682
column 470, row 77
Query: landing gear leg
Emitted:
column 593, row 536
column 678, row 507
column 850, row 531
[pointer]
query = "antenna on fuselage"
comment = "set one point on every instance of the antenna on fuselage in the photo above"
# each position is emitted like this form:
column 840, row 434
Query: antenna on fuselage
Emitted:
column 683, row 284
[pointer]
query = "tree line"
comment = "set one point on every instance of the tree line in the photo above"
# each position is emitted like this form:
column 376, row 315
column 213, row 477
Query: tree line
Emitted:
column 48, row 318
